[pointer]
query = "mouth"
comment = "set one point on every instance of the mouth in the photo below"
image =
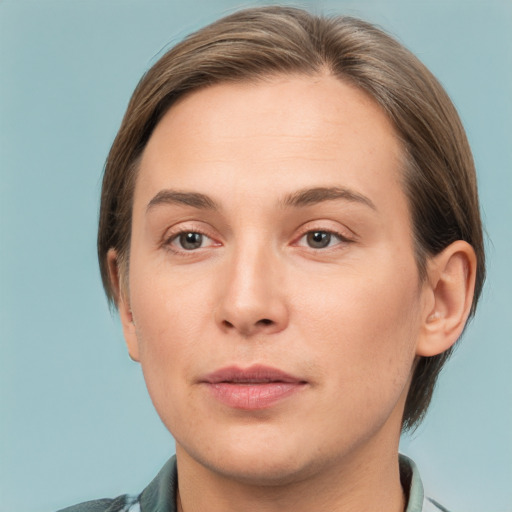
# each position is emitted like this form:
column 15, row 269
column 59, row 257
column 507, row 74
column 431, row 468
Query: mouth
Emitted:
column 256, row 387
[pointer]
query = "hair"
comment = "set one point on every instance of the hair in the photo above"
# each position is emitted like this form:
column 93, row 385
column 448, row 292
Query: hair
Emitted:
column 439, row 177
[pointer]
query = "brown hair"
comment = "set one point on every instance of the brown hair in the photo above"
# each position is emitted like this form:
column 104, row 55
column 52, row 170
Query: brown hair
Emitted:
column 439, row 176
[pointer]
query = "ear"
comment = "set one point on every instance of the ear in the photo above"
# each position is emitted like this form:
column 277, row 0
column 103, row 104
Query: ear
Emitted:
column 450, row 287
column 123, row 304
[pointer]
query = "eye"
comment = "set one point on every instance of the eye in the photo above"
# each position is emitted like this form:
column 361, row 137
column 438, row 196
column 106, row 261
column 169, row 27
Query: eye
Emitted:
column 318, row 239
column 189, row 240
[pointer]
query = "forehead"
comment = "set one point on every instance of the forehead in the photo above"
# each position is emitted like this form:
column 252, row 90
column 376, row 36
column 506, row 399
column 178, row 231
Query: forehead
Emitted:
column 294, row 131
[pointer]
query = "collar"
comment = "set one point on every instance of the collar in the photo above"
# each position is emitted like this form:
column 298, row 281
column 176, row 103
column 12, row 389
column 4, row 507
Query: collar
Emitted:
column 411, row 482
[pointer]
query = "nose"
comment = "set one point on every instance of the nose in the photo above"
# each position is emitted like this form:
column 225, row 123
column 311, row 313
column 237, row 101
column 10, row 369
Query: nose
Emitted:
column 252, row 298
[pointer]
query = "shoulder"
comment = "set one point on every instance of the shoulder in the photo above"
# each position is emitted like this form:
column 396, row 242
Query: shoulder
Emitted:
column 124, row 503
column 160, row 494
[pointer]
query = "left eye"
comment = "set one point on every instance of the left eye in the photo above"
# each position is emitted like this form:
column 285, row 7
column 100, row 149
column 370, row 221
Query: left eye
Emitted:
column 320, row 239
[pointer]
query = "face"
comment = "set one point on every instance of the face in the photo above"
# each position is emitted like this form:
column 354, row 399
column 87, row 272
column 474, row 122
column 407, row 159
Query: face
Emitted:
column 274, row 300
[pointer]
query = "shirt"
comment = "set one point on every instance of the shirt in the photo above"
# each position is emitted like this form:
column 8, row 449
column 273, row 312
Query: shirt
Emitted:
column 160, row 494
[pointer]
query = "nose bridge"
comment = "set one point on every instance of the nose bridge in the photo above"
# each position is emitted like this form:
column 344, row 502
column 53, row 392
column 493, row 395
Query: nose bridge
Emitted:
column 252, row 298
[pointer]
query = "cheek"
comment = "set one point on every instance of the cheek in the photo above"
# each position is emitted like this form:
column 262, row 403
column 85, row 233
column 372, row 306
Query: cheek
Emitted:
column 366, row 329
column 165, row 303
column 169, row 321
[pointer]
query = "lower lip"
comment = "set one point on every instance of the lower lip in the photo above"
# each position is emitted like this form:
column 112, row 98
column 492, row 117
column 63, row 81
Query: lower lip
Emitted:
column 253, row 396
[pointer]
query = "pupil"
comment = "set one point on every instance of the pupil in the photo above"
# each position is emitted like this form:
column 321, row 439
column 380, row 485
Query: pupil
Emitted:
column 191, row 240
column 318, row 239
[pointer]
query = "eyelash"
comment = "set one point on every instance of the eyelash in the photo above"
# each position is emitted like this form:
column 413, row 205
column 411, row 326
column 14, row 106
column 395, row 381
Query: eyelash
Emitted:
column 169, row 241
column 341, row 239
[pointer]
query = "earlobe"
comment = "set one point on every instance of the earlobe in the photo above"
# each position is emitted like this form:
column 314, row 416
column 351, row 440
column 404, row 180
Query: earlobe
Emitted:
column 451, row 283
column 123, row 305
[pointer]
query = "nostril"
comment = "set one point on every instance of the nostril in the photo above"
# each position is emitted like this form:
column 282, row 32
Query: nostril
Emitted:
column 247, row 327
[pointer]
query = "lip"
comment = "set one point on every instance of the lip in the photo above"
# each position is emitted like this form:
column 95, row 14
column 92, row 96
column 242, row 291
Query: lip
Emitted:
column 252, row 388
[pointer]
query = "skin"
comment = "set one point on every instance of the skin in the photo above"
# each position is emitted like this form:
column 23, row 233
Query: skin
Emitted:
column 348, row 319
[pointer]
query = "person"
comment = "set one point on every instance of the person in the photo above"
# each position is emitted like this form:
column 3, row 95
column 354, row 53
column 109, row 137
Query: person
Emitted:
column 290, row 231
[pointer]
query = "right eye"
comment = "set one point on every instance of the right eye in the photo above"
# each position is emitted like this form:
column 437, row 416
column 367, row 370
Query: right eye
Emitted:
column 189, row 241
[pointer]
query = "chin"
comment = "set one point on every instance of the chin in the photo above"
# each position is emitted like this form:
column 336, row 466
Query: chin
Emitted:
column 262, row 470
column 259, row 460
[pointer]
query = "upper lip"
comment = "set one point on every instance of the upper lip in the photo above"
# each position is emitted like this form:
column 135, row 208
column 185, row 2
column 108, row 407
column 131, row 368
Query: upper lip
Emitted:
column 256, row 374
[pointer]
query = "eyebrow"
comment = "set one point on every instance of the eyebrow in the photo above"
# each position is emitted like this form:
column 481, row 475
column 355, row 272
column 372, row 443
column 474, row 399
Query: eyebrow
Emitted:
column 193, row 199
column 310, row 196
column 301, row 198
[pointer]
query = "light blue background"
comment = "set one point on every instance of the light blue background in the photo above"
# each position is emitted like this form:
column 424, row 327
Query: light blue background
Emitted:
column 76, row 421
